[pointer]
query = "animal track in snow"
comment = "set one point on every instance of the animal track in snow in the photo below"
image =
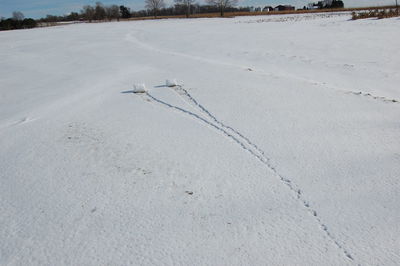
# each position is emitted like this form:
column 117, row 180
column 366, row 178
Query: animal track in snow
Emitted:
column 367, row 94
column 24, row 120
column 18, row 122
column 325, row 85
column 132, row 39
column 247, row 145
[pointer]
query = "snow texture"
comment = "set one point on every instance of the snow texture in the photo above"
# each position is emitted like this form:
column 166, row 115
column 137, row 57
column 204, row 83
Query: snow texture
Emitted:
column 282, row 147
column 171, row 83
column 139, row 88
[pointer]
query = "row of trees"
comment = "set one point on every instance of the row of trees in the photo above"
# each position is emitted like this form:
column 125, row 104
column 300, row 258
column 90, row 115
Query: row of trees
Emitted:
column 17, row 21
column 100, row 12
column 90, row 13
column 156, row 6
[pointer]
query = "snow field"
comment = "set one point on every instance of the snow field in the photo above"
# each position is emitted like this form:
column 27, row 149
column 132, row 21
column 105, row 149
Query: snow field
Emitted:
column 280, row 149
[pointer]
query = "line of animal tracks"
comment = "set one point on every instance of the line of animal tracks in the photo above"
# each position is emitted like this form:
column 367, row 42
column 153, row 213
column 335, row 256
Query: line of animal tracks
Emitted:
column 204, row 116
column 132, row 39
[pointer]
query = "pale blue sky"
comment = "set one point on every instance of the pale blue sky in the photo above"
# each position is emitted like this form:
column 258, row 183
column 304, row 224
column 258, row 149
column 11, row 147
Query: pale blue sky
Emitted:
column 40, row 8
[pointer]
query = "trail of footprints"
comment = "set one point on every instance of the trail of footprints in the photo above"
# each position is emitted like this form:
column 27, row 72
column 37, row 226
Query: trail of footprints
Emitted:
column 366, row 94
column 131, row 38
column 245, row 143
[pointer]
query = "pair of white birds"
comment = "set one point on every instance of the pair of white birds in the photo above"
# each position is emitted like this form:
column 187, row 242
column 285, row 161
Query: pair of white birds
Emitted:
column 141, row 87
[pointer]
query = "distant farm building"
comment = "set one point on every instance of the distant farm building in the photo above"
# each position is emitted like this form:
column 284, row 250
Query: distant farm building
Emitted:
column 268, row 9
column 284, row 8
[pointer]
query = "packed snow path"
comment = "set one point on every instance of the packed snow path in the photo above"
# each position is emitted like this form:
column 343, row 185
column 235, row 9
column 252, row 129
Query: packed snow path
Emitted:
column 304, row 168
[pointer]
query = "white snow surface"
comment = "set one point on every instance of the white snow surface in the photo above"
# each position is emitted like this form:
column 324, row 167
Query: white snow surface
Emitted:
column 282, row 147
column 139, row 88
column 171, row 83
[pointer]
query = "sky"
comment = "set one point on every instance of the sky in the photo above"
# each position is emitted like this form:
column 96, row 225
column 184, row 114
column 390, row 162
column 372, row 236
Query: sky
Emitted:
column 40, row 8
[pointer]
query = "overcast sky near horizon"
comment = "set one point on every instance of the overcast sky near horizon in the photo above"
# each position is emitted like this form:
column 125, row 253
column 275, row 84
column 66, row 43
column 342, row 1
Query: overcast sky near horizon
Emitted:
column 40, row 8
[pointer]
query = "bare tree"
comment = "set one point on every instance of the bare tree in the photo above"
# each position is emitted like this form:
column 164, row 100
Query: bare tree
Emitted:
column 88, row 12
column 154, row 5
column 112, row 12
column 125, row 12
column 17, row 15
column 99, row 11
column 222, row 4
column 187, row 4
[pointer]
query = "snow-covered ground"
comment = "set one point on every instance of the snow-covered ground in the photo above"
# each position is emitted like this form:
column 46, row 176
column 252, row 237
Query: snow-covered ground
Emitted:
column 281, row 147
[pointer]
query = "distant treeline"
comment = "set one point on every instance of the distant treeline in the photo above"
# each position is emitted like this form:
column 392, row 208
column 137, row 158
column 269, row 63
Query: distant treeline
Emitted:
column 100, row 12
column 17, row 21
